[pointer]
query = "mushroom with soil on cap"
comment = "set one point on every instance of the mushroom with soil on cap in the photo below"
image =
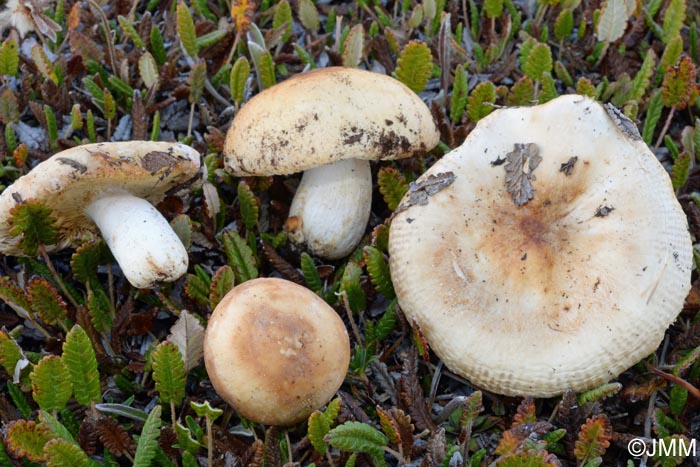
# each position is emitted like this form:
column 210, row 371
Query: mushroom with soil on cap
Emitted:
column 547, row 252
column 329, row 123
column 110, row 187
column 275, row 351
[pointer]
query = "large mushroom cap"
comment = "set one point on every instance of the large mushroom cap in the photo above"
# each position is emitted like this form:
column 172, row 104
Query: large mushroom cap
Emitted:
column 275, row 351
column 69, row 180
column 324, row 116
column 565, row 291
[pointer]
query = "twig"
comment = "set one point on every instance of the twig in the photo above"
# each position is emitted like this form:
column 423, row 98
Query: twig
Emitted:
column 108, row 34
column 351, row 318
column 55, row 275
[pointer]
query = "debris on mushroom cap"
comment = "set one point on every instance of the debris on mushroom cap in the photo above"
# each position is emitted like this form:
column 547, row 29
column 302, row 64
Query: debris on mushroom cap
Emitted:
column 275, row 351
column 559, row 271
column 324, row 116
column 69, row 180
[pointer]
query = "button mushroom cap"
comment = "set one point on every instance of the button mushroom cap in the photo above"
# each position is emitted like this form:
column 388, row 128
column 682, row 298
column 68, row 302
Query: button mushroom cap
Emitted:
column 568, row 289
column 275, row 351
column 111, row 187
column 338, row 116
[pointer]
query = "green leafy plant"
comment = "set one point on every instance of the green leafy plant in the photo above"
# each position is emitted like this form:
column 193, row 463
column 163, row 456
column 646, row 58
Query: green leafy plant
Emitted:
column 415, row 66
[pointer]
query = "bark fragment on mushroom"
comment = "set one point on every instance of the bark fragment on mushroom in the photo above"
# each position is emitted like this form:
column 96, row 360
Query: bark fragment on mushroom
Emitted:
column 110, row 188
column 556, row 259
column 329, row 123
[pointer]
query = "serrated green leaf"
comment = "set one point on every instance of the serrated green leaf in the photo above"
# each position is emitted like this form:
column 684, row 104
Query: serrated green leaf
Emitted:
column 10, row 352
column 283, row 17
column 308, row 16
column 318, row 428
column 350, row 284
column 521, row 93
column 148, row 70
column 240, row 257
column 76, row 117
column 549, row 89
column 186, row 29
column 26, row 438
column 681, row 170
column 197, row 76
column 414, row 67
column 599, row 393
column 529, row 459
column 148, row 444
column 478, row 102
column 538, row 62
column 493, row 8
column 671, row 54
column 652, row 117
column 643, row 77
column 564, row 24
column 204, row 409
column 80, row 361
column 210, row 38
column 61, row 453
column 678, row 398
column 308, row 268
column 169, row 372
column 392, row 185
column 130, row 31
column 239, row 76
column 157, row 46
column 51, row 384
column 332, row 410
column 46, row 300
column 264, row 66
column 87, row 258
column 357, row 437
column 353, row 47
column 460, row 91
column 51, row 127
column 248, row 205
column 43, row 64
column 9, row 58
column 198, row 289
column 221, row 283
column 109, row 109
column 674, row 16
column 55, row 428
column 562, row 73
column 99, row 306
column 378, row 270
column 679, row 84
column 15, row 297
column 33, row 221
column 19, row 399
column 186, row 440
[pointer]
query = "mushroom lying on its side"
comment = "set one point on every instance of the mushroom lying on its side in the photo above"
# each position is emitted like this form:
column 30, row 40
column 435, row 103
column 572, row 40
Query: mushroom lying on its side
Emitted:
column 329, row 123
column 111, row 187
column 549, row 253
column 275, row 351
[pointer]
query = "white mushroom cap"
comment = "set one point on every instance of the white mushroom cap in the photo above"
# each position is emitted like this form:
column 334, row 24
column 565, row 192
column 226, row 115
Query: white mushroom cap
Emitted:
column 275, row 351
column 329, row 120
column 565, row 291
column 110, row 187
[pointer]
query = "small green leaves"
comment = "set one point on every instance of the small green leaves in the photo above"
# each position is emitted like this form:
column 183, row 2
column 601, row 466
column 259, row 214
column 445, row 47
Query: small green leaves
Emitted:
column 47, row 301
column 10, row 353
column 378, row 270
column 79, row 359
column 350, row 284
column 415, row 66
column 148, row 444
column 460, row 91
column 206, row 410
column 353, row 46
column 51, row 384
column 313, row 280
column 33, row 221
column 643, row 77
column 26, row 438
column 564, row 25
column 148, row 70
column 478, row 103
column 681, row 170
column 283, row 18
column 493, row 8
column 264, row 66
column 593, row 439
column 538, row 61
column 221, row 283
column 652, row 117
column 318, row 428
column 9, row 58
column 240, row 257
column 239, row 76
column 130, row 31
column 61, row 453
column 308, row 16
column 186, row 29
column 357, row 437
column 529, row 459
column 169, row 372
column 9, row 107
column 392, row 186
column 43, row 64
column 248, row 205
column 679, row 84
column 674, row 17
column 198, row 75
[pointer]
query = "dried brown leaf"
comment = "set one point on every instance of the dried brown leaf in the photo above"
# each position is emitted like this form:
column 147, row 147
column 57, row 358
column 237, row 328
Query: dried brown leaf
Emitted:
column 114, row 437
column 520, row 163
column 411, row 395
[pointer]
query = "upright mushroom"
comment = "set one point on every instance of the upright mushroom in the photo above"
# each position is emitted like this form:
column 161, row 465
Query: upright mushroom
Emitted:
column 110, row 187
column 275, row 351
column 329, row 123
column 547, row 252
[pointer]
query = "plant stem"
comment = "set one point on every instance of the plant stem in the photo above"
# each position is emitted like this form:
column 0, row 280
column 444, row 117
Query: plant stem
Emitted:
column 351, row 318
column 665, row 128
column 172, row 414
column 55, row 275
column 210, row 443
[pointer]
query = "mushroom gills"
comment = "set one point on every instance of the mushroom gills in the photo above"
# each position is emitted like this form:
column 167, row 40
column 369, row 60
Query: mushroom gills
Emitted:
column 140, row 238
column 331, row 208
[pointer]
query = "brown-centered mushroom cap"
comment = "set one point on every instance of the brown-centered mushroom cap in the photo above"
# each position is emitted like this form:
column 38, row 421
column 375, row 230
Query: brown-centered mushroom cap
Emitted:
column 324, row 116
column 564, row 290
column 275, row 351
column 68, row 181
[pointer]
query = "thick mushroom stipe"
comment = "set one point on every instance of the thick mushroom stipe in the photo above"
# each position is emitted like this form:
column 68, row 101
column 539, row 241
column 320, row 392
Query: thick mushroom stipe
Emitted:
column 141, row 240
column 565, row 291
column 275, row 351
column 331, row 208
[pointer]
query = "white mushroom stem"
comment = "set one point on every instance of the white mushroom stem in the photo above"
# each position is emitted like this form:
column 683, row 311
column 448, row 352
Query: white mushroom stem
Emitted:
column 141, row 240
column 331, row 208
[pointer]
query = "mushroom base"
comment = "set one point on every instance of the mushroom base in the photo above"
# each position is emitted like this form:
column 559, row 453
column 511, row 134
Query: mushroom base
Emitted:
column 141, row 240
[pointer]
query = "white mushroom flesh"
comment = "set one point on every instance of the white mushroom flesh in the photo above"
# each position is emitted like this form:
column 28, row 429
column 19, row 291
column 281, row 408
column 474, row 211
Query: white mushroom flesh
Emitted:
column 140, row 238
column 331, row 208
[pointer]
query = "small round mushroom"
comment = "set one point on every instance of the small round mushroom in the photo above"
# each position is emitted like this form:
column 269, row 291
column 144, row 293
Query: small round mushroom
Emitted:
column 110, row 187
column 329, row 123
column 275, row 351
column 549, row 253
